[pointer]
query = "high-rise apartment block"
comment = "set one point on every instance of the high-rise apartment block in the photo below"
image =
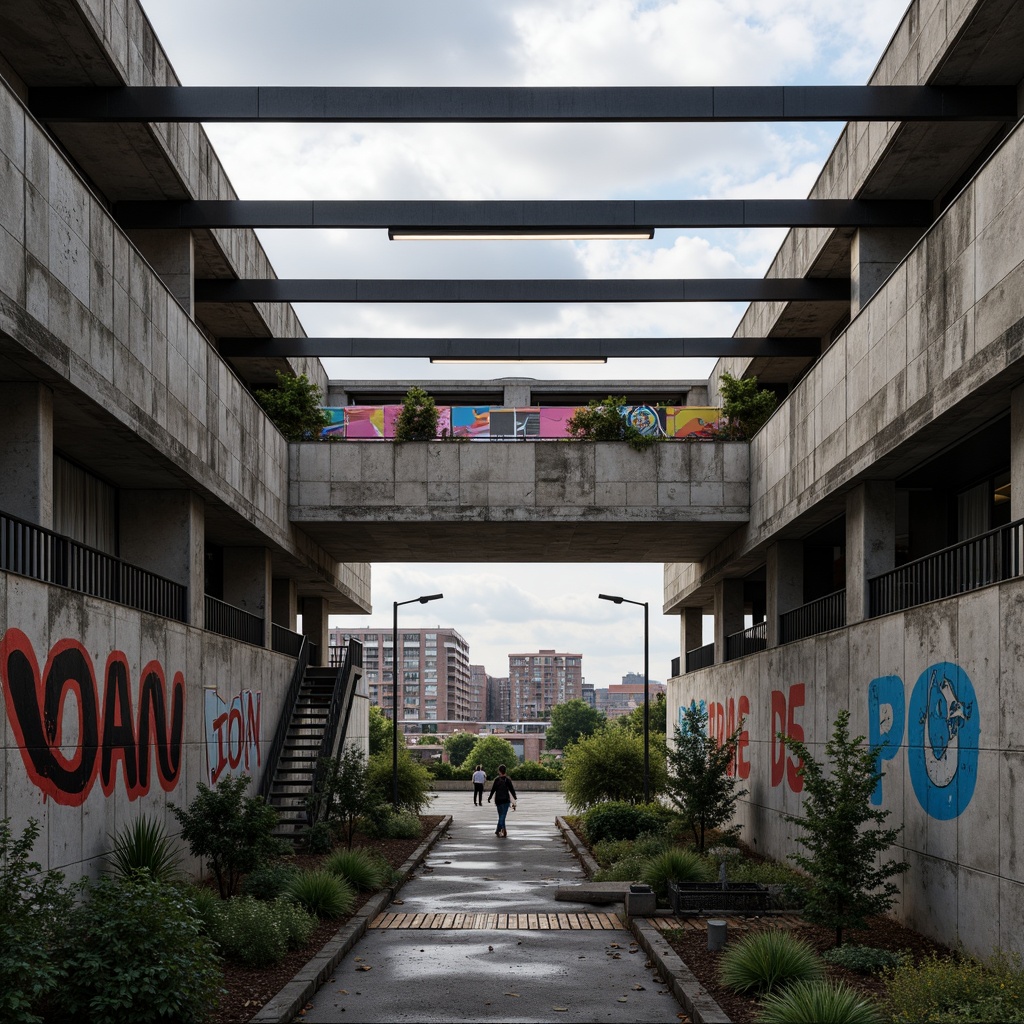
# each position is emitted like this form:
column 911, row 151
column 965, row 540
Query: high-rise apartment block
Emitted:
column 540, row 680
column 436, row 681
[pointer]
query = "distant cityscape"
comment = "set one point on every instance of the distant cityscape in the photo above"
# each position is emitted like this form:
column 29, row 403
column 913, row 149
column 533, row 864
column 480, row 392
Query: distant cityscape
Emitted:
column 443, row 693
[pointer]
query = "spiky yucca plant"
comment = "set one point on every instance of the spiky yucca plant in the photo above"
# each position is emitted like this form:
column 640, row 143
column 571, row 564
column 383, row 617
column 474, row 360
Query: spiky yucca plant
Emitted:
column 760, row 962
column 145, row 846
column 818, row 1001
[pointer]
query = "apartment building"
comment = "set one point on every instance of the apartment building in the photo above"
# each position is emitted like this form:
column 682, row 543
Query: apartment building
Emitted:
column 540, row 680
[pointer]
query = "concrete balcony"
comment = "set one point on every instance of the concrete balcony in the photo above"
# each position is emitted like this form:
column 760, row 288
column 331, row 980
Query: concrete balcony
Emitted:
column 556, row 501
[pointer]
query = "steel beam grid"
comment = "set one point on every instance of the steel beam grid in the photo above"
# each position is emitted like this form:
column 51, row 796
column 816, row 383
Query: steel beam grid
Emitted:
column 502, row 104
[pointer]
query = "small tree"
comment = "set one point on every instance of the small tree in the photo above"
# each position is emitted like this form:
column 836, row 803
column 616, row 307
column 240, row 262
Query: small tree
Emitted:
column 458, row 746
column 380, row 731
column 745, row 405
column 234, row 832
column 610, row 766
column 656, row 718
column 342, row 792
column 570, row 721
column 418, row 418
column 843, row 835
column 698, row 780
column 602, row 420
column 490, row 751
column 414, row 781
column 294, row 406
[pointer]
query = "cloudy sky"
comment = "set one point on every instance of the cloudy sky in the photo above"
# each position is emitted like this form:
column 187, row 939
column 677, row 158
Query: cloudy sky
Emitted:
column 524, row 42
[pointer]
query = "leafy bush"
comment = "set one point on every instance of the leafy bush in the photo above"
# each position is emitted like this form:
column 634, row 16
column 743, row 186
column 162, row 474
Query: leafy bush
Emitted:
column 532, row 770
column 418, row 419
column 617, row 819
column 135, row 952
column 490, row 751
column 250, row 932
column 818, row 1001
column 760, row 962
column 342, row 793
column 767, row 872
column 294, row 407
column 318, row 838
column 864, row 959
column 957, row 989
column 298, row 925
column 627, row 869
column 440, row 770
column 458, row 746
column 608, row 851
column 746, row 406
column 321, row 893
column 269, row 882
column 384, row 822
column 358, row 869
column 206, row 906
column 674, row 866
column 144, row 846
column 34, row 907
column 602, row 420
column 234, row 832
column 610, row 766
column 413, row 781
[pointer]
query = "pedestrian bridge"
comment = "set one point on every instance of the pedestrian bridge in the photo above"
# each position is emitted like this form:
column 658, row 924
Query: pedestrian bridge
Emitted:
column 529, row 501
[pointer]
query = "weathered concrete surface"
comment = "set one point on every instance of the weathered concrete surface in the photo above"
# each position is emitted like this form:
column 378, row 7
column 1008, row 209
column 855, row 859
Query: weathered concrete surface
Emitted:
column 502, row 501
column 523, row 975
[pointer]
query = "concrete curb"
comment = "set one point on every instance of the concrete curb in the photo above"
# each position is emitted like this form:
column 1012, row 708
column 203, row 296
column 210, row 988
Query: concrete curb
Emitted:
column 284, row 1007
column 689, row 993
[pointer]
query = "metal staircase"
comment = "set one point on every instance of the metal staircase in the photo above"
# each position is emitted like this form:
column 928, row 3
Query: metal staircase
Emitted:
column 313, row 725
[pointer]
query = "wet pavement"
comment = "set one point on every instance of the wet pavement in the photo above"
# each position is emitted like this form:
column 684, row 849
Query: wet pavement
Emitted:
column 528, row 975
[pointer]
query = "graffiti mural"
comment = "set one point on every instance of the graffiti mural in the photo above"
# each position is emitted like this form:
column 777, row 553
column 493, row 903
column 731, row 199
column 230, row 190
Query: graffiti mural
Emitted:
column 232, row 733
column 783, row 718
column 942, row 731
column 69, row 734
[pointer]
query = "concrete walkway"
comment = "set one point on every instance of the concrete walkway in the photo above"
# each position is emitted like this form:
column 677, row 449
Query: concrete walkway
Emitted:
column 530, row 974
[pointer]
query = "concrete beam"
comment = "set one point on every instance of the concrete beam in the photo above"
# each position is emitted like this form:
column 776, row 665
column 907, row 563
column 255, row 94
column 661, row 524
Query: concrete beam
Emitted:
column 26, row 453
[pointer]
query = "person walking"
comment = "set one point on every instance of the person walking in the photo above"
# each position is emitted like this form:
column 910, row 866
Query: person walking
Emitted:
column 479, row 778
column 504, row 794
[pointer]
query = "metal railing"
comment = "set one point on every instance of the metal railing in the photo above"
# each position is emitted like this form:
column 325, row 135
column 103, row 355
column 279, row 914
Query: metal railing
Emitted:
column 675, row 668
column 284, row 641
column 988, row 558
column 41, row 554
column 815, row 617
column 700, row 657
column 234, row 622
column 747, row 641
column 285, row 721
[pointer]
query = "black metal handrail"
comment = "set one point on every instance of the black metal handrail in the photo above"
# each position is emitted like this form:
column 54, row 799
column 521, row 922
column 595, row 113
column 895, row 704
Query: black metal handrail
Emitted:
column 285, row 719
column 236, row 623
column 41, row 554
column 349, row 672
column 285, row 641
column 815, row 617
column 988, row 558
column 747, row 641
column 675, row 668
column 700, row 657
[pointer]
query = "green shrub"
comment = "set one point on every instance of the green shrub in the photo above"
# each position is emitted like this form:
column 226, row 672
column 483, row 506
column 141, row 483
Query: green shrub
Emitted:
column 232, row 831
column 250, row 932
column 458, row 746
column 206, row 906
column 610, row 766
column 269, row 882
column 819, row 1002
column 759, row 962
column 318, row 838
column 34, row 908
column 135, row 953
column 294, row 407
column 490, row 751
column 296, row 924
column 673, row 866
column 418, row 419
column 602, row 420
column 440, row 770
column 956, row 989
column 620, row 820
column 628, row 869
column 358, row 869
column 321, row 893
column 766, row 872
column 144, row 845
column 864, row 959
column 384, row 822
column 608, row 851
column 413, row 781
column 532, row 771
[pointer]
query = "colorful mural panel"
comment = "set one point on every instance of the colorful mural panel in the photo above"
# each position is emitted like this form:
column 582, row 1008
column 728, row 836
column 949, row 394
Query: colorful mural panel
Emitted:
column 232, row 733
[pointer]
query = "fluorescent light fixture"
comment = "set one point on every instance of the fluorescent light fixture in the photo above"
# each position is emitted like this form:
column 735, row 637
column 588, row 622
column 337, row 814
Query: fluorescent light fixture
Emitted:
column 507, row 234
column 512, row 359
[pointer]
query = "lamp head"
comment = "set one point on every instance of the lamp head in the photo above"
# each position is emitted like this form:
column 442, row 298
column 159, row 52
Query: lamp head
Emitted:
column 431, row 597
column 609, row 597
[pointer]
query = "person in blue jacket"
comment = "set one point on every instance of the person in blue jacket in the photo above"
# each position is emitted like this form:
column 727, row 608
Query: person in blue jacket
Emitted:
column 504, row 794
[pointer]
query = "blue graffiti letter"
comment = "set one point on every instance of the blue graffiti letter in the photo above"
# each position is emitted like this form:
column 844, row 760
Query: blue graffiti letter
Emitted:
column 886, row 718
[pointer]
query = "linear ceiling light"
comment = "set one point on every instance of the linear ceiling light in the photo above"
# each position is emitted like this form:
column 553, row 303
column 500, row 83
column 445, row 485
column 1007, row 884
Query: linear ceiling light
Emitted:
column 534, row 359
column 532, row 234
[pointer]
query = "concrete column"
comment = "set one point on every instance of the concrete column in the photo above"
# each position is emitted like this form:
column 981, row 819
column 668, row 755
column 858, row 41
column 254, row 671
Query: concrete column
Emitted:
column 284, row 602
column 315, row 626
column 870, row 541
column 247, row 576
column 691, row 631
column 517, row 395
column 1017, row 453
column 874, row 255
column 728, row 614
column 171, row 253
column 26, row 453
column 784, row 563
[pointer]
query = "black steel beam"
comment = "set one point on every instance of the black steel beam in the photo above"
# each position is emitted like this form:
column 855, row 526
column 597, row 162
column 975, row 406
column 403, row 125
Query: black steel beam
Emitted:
column 742, row 289
column 526, row 104
column 672, row 213
column 516, row 348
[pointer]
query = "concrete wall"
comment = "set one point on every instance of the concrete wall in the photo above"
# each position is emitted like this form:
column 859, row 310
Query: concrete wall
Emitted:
column 956, row 797
column 96, row 641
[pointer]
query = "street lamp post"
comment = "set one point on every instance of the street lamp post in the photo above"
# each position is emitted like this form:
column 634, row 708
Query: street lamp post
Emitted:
column 647, row 704
column 394, row 690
